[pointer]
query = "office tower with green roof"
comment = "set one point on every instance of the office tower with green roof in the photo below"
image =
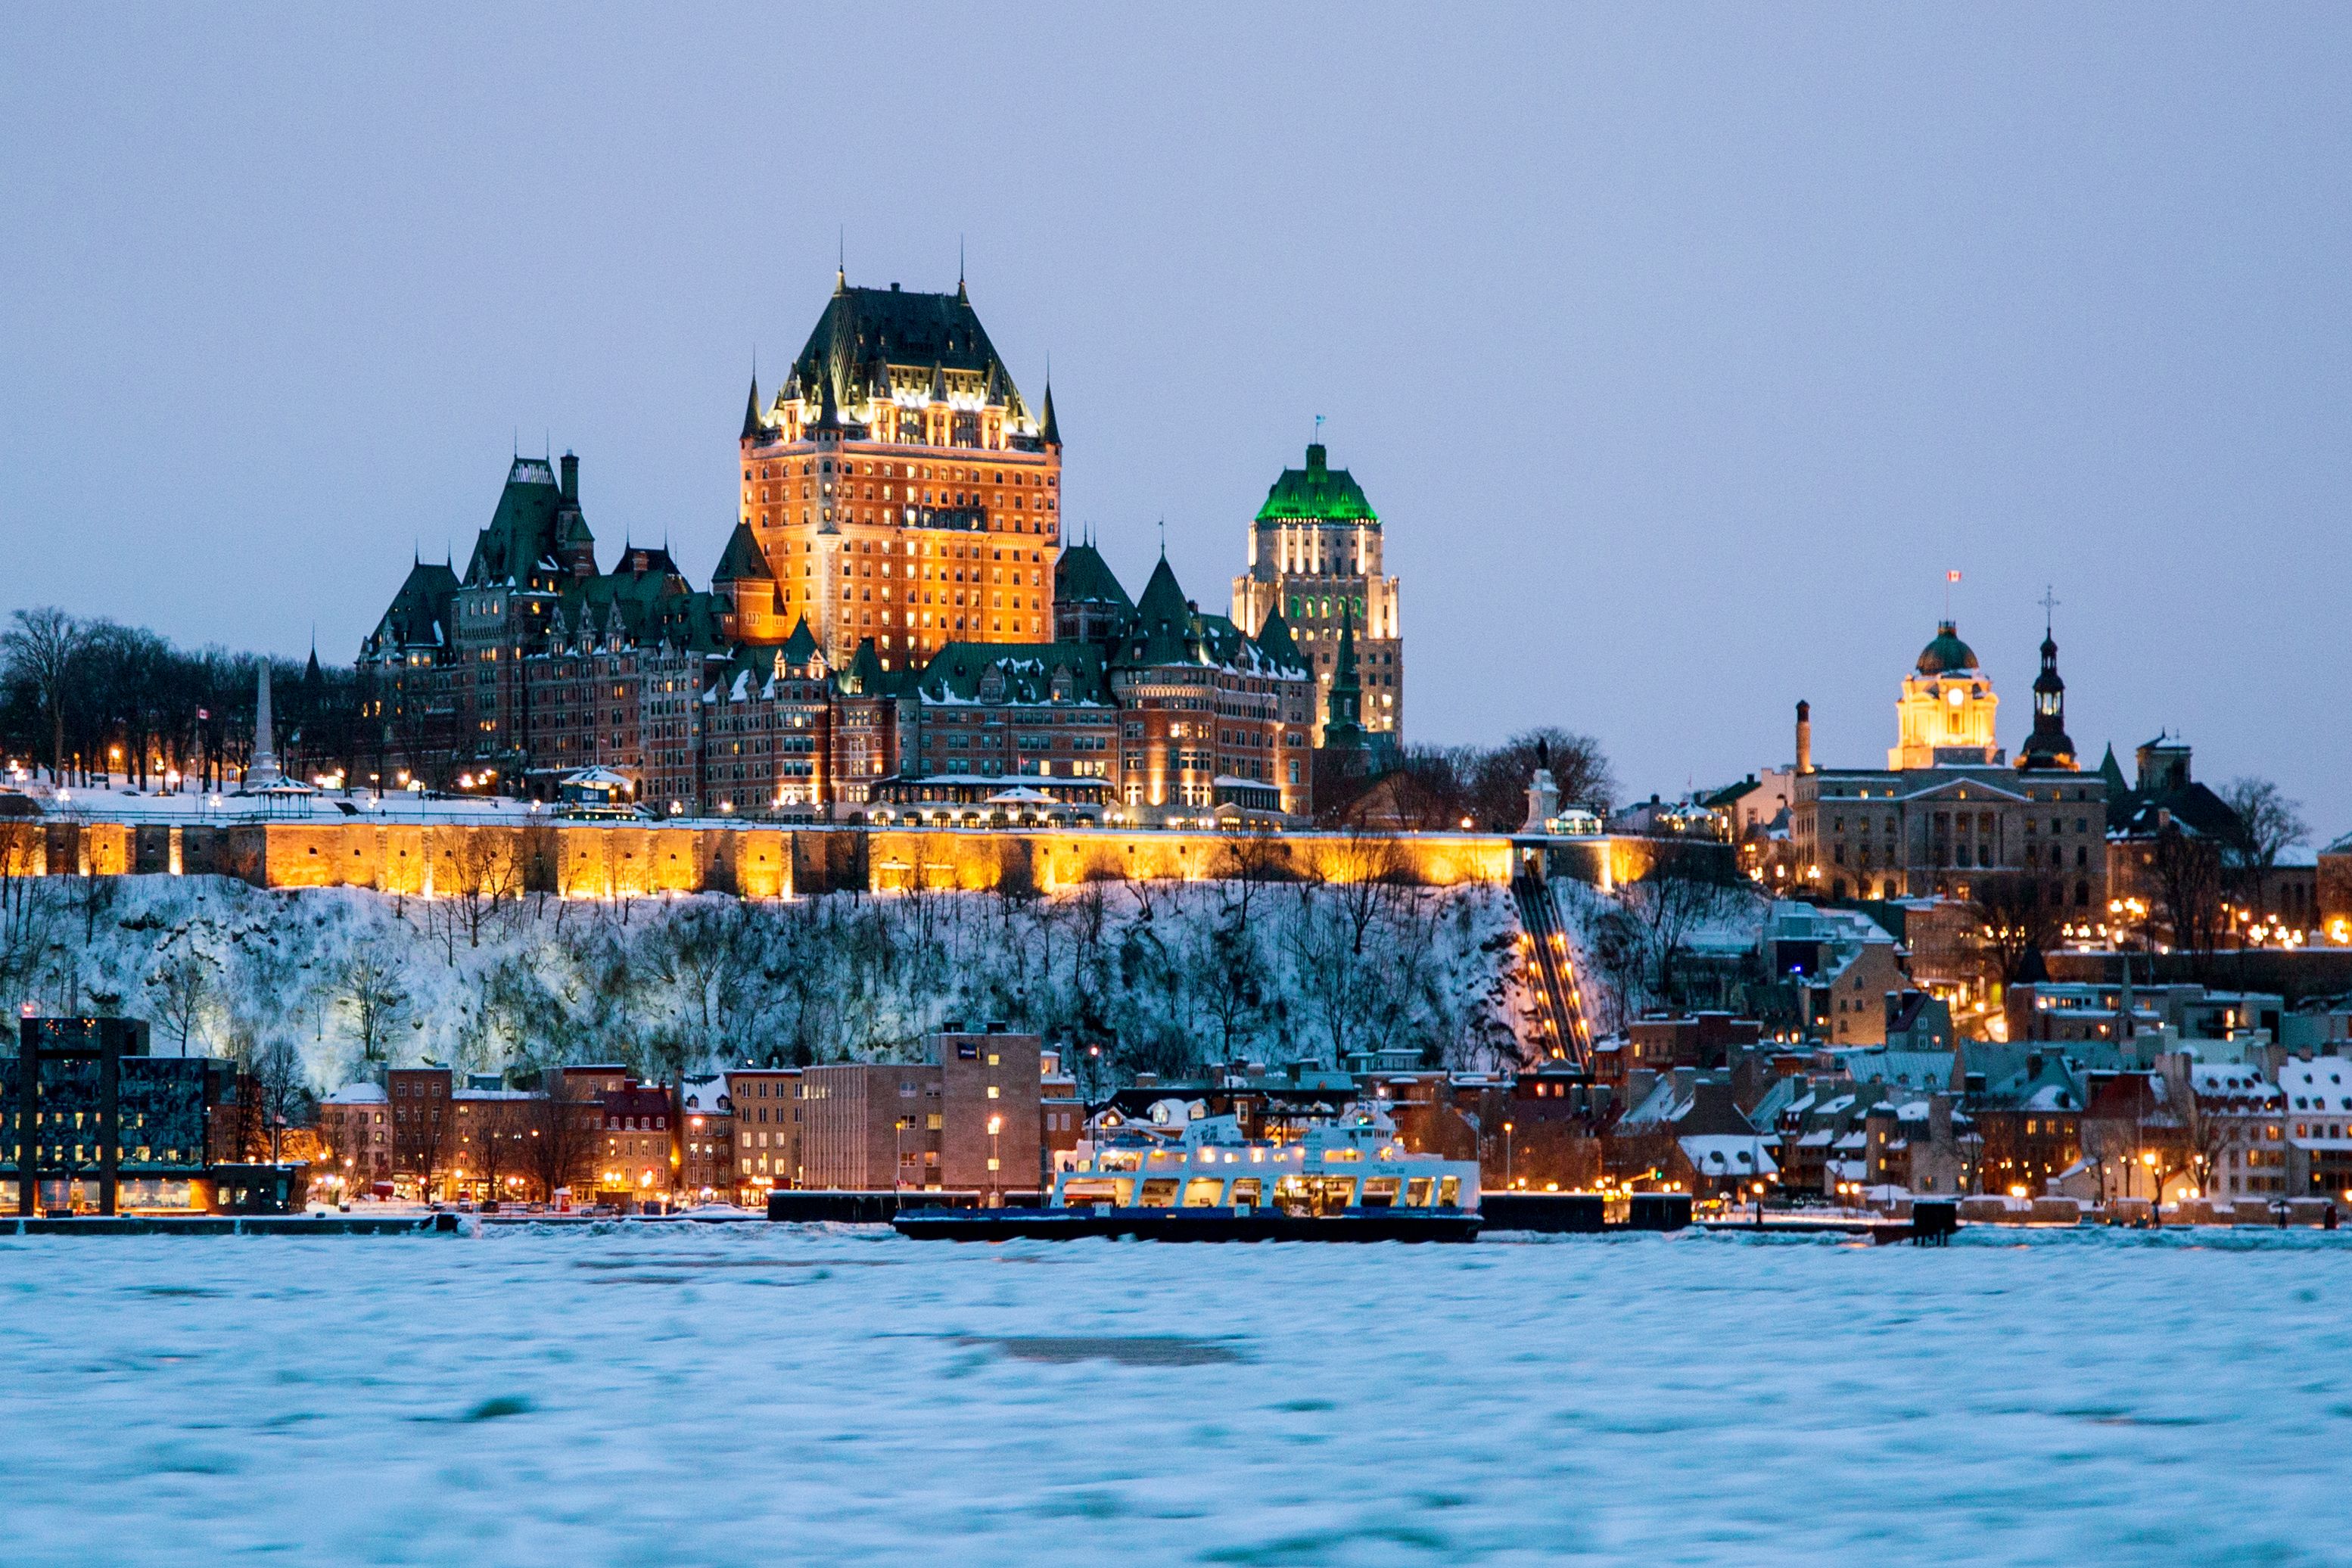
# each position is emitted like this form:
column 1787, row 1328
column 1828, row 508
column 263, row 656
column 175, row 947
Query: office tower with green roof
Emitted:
column 1315, row 558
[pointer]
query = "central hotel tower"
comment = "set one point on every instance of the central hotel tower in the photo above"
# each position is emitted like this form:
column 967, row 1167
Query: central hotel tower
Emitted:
column 898, row 489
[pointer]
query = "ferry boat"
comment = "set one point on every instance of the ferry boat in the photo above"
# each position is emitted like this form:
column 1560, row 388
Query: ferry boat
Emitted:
column 1198, row 1178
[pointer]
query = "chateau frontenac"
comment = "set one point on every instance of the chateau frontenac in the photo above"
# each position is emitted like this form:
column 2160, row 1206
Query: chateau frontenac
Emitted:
column 899, row 626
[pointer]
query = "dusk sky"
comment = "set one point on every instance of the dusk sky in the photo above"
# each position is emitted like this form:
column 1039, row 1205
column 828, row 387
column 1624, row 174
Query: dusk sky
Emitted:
column 1682, row 349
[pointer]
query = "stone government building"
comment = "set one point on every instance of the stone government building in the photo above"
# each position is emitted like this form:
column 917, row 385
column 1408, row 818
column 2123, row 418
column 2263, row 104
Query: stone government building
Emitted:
column 899, row 626
column 1949, row 808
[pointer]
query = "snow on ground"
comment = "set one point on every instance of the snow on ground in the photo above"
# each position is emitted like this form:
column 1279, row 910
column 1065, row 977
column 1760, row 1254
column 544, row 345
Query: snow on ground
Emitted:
column 1169, row 974
column 749, row 1393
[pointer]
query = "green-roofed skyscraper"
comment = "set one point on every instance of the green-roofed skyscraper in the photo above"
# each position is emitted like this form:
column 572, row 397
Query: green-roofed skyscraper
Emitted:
column 1315, row 556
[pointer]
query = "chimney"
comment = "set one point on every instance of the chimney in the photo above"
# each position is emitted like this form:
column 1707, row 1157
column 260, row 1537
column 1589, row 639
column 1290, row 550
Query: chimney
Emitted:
column 570, row 476
column 1804, row 737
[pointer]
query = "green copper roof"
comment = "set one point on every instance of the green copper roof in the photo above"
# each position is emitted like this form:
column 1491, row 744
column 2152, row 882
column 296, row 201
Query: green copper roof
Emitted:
column 741, row 560
column 1317, row 493
column 864, row 334
column 1275, row 641
column 1163, row 598
column 1948, row 654
column 1026, row 671
column 522, row 533
column 801, row 647
column 1083, row 577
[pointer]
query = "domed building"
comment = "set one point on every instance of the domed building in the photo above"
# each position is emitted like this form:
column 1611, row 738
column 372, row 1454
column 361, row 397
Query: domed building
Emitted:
column 1946, row 715
column 1948, row 816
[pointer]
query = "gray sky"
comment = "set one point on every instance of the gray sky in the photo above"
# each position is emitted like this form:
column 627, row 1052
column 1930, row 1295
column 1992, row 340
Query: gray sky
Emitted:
column 1682, row 348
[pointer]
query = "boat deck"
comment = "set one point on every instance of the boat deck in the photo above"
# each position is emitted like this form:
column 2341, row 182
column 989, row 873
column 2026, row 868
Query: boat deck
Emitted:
column 1196, row 1224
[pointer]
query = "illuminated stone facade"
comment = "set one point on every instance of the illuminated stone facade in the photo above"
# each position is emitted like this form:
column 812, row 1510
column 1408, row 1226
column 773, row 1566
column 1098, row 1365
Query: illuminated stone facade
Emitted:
column 897, row 489
column 899, row 518
column 1948, row 811
column 1314, row 557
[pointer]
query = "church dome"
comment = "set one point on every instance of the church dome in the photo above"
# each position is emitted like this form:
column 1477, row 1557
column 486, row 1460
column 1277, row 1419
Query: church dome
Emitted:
column 1948, row 654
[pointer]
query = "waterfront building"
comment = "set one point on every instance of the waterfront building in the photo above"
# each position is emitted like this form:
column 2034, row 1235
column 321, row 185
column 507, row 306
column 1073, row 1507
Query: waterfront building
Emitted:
column 967, row 1117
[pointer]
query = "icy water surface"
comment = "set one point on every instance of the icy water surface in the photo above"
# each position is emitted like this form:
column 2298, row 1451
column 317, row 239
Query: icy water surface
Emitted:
column 779, row 1395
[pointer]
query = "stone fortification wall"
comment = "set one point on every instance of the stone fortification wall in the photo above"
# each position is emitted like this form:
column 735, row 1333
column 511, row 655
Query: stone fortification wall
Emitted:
column 752, row 860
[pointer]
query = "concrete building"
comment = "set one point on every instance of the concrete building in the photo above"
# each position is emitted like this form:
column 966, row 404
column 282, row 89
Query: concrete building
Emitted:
column 967, row 1118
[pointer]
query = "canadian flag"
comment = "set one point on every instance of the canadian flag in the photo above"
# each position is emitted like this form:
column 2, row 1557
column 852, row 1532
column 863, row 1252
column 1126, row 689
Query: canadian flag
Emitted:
column 1951, row 576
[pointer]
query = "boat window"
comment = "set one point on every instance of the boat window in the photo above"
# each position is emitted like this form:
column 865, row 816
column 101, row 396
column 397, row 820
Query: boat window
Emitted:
column 1416, row 1191
column 1203, row 1191
column 1449, row 1192
column 1380, row 1191
column 1246, row 1193
column 1336, row 1193
column 1292, row 1195
column 1077, row 1195
column 1331, row 1155
column 1160, row 1193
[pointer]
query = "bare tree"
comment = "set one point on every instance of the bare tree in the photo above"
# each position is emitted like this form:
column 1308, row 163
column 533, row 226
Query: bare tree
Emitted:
column 370, row 986
column 27, row 904
column 280, row 1088
column 2189, row 882
column 182, row 987
column 41, row 648
column 559, row 1135
column 1362, row 871
column 2269, row 824
column 1247, row 863
column 2014, row 922
column 481, row 875
column 425, row 1149
column 1668, row 906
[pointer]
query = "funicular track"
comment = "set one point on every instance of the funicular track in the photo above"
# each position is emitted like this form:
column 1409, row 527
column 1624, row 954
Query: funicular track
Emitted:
column 1559, row 1002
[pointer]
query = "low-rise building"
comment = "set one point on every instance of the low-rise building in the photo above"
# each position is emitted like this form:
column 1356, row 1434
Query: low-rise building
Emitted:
column 2318, row 1112
column 706, row 1131
column 352, row 1124
column 635, row 1151
column 767, row 1107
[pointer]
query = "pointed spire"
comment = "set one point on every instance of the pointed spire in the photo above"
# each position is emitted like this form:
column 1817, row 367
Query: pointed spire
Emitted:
column 751, row 409
column 1050, row 433
column 1343, row 723
column 938, row 381
column 962, row 296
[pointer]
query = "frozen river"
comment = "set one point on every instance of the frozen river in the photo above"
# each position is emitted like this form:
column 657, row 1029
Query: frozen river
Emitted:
column 751, row 1395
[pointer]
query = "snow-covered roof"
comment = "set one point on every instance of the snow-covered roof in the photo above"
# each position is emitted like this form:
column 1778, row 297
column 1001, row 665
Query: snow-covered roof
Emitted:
column 2322, row 1084
column 1727, row 1154
column 2228, row 1080
column 356, row 1094
column 2051, row 1096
